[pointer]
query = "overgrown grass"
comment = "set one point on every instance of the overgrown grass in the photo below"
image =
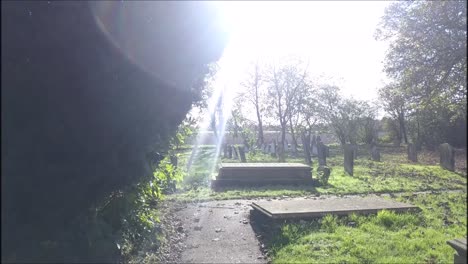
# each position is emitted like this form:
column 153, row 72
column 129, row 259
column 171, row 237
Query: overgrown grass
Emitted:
column 387, row 237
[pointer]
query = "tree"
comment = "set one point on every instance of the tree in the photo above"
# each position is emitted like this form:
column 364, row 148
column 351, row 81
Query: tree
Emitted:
column 427, row 61
column 351, row 120
column 255, row 95
column 286, row 81
column 395, row 104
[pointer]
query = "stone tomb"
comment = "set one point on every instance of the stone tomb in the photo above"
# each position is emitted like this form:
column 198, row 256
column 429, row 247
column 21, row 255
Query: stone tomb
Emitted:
column 261, row 174
column 310, row 208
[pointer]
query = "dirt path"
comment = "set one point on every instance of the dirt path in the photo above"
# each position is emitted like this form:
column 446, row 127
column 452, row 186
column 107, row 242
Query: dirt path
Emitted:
column 219, row 232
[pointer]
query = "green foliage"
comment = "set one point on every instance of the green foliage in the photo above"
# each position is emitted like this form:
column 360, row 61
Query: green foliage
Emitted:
column 329, row 223
column 428, row 70
column 323, row 174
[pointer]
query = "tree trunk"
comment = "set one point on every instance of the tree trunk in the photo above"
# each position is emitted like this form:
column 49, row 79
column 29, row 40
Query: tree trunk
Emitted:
column 401, row 120
column 260, row 139
column 306, row 146
column 291, row 128
column 281, row 155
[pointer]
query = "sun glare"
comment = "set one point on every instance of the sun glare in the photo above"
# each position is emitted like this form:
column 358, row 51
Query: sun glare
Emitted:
column 336, row 37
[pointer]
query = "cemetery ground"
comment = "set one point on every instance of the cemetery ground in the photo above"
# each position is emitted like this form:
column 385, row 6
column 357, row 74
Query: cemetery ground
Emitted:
column 386, row 237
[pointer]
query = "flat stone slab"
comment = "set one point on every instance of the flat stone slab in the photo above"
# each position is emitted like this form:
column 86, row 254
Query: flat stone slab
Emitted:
column 255, row 174
column 308, row 208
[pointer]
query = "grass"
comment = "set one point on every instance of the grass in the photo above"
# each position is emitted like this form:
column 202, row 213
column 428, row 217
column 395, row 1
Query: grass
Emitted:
column 387, row 237
column 369, row 177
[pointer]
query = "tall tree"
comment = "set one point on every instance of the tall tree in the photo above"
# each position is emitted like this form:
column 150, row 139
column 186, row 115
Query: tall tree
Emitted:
column 286, row 81
column 255, row 95
column 427, row 59
column 395, row 103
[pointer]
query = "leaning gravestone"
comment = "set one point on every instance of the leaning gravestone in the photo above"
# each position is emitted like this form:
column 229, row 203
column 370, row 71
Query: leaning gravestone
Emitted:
column 447, row 157
column 229, row 148
column 349, row 159
column 375, row 153
column 321, row 154
column 412, row 153
column 242, row 154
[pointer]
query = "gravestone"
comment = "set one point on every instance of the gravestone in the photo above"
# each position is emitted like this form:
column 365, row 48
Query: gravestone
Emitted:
column 313, row 146
column 242, row 154
column 412, row 153
column 321, row 154
column 294, row 150
column 273, row 149
column 375, row 153
column 229, row 148
column 225, row 151
column 447, row 157
column 348, row 159
column 235, row 155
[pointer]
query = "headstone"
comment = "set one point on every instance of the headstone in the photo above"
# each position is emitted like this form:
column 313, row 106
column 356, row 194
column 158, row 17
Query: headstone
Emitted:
column 375, row 153
column 229, row 147
column 294, row 150
column 314, row 150
column 412, row 153
column 447, row 157
column 348, row 159
column 321, row 154
column 273, row 149
column 234, row 150
column 313, row 146
column 242, row 154
column 225, row 151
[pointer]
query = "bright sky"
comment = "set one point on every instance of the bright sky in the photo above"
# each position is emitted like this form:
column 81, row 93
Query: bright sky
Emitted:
column 336, row 37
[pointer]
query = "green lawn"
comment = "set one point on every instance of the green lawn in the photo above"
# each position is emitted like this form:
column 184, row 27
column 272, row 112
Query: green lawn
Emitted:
column 369, row 177
column 383, row 238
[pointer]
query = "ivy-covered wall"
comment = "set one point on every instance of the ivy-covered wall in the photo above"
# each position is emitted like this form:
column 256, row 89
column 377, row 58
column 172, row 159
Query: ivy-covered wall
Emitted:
column 79, row 116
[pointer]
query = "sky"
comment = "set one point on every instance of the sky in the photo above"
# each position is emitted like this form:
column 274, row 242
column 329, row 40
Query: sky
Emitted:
column 335, row 37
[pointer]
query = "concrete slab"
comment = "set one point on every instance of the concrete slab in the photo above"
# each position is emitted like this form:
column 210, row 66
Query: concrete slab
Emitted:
column 263, row 174
column 290, row 209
